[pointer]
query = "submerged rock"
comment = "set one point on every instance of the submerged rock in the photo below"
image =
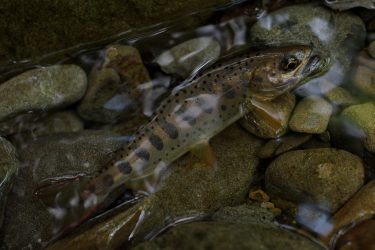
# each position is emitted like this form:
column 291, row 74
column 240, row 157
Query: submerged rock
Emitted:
column 324, row 177
column 114, row 91
column 362, row 118
column 371, row 49
column 27, row 222
column 42, row 89
column 339, row 96
column 9, row 165
column 269, row 119
column 364, row 74
column 311, row 115
column 189, row 190
column 339, row 34
column 242, row 227
column 193, row 54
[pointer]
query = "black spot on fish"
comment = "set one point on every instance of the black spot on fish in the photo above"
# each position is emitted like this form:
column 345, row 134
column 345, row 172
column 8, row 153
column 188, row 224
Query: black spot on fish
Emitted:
column 169, row 129
column 156, row 141
column 108, row 180
column 142, row 154
column 124, row 167
column 223, row 107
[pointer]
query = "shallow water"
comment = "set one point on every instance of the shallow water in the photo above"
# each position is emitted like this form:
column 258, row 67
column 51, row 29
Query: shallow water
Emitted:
column 287, row 146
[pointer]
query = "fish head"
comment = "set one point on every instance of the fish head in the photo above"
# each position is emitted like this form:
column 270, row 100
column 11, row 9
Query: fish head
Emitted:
column 279, row 70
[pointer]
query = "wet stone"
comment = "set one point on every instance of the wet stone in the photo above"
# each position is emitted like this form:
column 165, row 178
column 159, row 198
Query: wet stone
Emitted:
column 185, row 181
column 311, row 115
column 9, row 165
column 27, row 222
column 339, row 34
column 363, row 77
column 114, row 89
column 183, row 58
column 241, row 227
column 42, row 89
column 339, row 96
column 283, row 144
column 371, row 49
column 362, row 118
column 325, row 177
column 269, row 119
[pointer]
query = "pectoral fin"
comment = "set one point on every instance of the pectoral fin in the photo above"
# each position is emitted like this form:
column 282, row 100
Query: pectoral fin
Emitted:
column 204, row 153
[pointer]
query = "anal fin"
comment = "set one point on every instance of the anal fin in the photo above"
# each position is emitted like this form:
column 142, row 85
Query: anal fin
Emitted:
column 204, row 153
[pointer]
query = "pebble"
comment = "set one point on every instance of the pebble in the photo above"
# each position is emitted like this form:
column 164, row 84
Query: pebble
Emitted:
column 364, row 74
column 115, row 86
column 311, row 115
column 269, row 119
column 184, row 58
column 371, row 49
column 339, row 96
column 42, row 89
column 326, row 177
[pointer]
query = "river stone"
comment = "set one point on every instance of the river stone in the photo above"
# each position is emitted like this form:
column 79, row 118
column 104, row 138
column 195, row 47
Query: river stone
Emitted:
column 193, row 54
column 269, row 119
column 27, row 222
column 8, row 168
column 325, row 177
column 283, row 144
column 114, row 89
column 311, row 115
column 362, row 117
column 186, row 180
column 42, row 89
column 371, row 49
column 364, row 74
column 339, row 96
column 241, row 227
column 338, row 34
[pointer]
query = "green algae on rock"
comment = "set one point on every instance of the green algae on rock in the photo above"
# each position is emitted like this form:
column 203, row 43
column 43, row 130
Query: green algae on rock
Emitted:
column 269, row 119
column 42, row 89
column 183, row 58
column 53, row 156
column 311, row 115
column 324, row 177
column 114, row 87
column 9, row 165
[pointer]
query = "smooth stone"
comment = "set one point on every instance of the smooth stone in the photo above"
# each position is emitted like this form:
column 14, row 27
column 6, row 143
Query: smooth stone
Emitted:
column 114, row 87
column 345, row 5
column 184, row 58
column 27, row 222
column 362, row 117
column 361, row 236
column 283, row 144
column 241, row 227
column 360, row 207
column 269, row 119
column 339, row 96
column 42, row 89
column 186, row 180
column 339, row 34
column 325, row 177
column 371, row 49
column 311, row 115
column 364, row 74
column 9, row 165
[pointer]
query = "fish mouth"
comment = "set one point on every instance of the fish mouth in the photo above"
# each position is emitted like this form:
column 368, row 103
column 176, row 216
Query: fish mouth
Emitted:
column 316, row 65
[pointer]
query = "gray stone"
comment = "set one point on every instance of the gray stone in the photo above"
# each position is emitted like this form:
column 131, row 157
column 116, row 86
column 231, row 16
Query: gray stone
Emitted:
column 324, row 177
column 114, row 90
column 311, row 115
column 42, row 89
column 339, row 34
column 9, row 165
column 371, row 49
column 27, row 222
column 339, row 96
column 183, row 58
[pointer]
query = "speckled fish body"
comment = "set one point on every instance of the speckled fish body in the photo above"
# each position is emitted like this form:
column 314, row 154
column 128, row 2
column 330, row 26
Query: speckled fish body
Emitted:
column 348, row 4
column 193, row 114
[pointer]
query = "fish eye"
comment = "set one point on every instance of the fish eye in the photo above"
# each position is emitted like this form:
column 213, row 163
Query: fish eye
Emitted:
column 289, row 63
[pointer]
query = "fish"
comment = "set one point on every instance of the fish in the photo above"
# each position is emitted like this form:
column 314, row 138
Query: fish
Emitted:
column 185, row 121
column 348, row 4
